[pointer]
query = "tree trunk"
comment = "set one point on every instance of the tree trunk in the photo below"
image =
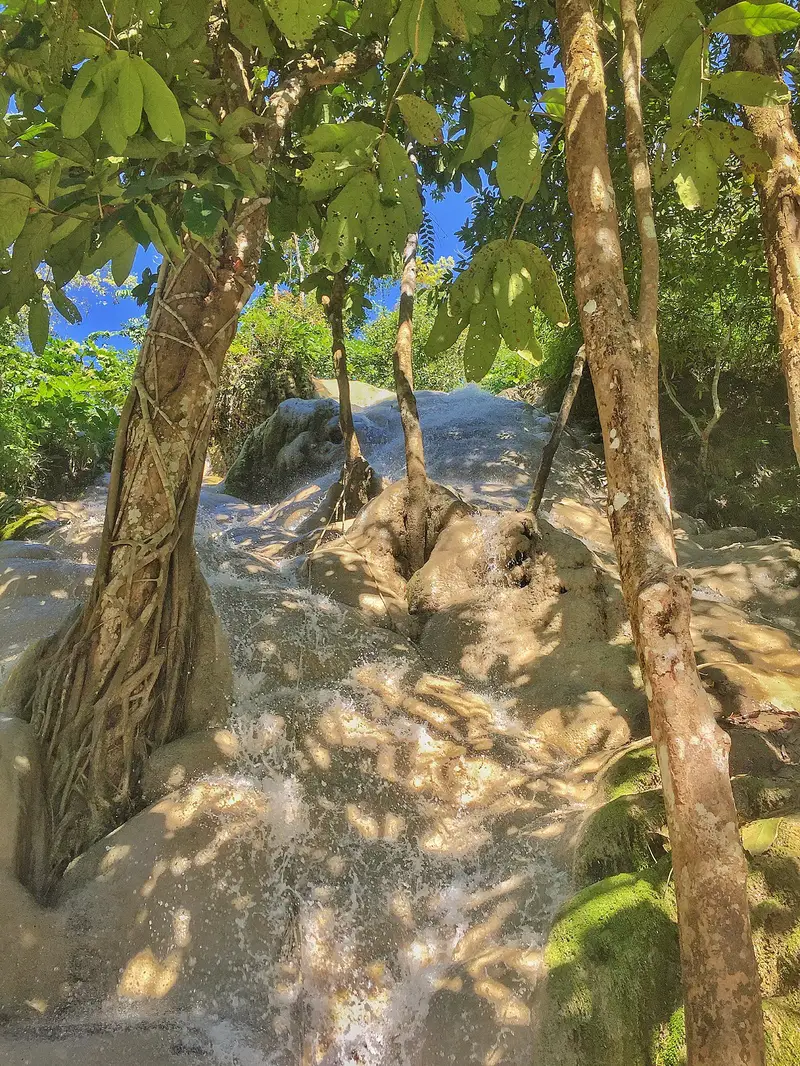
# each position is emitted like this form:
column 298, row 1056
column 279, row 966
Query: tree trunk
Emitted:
column 108, row 687
column 550, row 449
column 720, row 978
column 357, row 483
column 779, row 193
column 417, row 499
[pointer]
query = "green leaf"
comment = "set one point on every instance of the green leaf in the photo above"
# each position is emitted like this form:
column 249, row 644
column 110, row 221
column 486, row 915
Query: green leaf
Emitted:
column 483, row 340
column 689, row 87
column 83, row 102
column 354, row 141
column 422, row 119
column 249, row 26
column 755, row 20
column 38, row 324
column 696, row 175
column 492, row 118
column 399, row 180
column 328, row 172
column 685, row 35
column 475, row 282
column 202, row 211
column 664, row 20
column 544, row 283
column 298, row 20
column 15, row 202
column 519, row 162
column 122, row 262
column 130, row 96
column 453, row 18
column 446, row 330
column 411, row 31
column 750, row 90
column 64, row 305
column 111, row 121
column 758, row 837
column 745, row 145
column 555, row 102
column 514, row 300
column 374, row 18
column 160, row 104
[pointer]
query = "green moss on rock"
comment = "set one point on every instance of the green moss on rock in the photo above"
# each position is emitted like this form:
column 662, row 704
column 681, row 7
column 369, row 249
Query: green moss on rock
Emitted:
column 613, row 980
column 782, row 1028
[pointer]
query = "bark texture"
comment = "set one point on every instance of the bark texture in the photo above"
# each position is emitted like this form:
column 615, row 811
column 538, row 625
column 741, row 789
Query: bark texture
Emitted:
column 108, row 688
column 417, row 502
column 722, row 995
column 550, row 449
column 779, row 194
column 357, row 483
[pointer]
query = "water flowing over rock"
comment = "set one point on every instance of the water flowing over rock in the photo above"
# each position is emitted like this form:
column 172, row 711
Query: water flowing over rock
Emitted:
column 362, row 860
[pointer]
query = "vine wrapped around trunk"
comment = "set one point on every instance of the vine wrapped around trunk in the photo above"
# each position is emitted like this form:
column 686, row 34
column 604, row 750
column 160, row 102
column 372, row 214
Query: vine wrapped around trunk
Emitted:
column 721, row 985
column 108, row 687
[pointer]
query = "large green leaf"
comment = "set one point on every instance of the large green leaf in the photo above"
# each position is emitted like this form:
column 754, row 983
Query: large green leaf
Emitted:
column 202, row 211
column 411, row 31
column 446, row 330
column 555, row 102
column 84, row 100
column 492, row 118
column 696, row 175
column 423, row 120
column 354, row 141
column 160, row 105
column 689, row 85
column 483, row 340
column 513, row 296
column 664, row 19
column 298, row 20
column 248, row 24
column 38, row 324
column 544, row 283
column 755, row 19
column 750, row 90
column 64, row 305
column 519, row 162
column 399, row 179
column 475, row 282
column 688, row 32
column 15, row 202
column 131, row 97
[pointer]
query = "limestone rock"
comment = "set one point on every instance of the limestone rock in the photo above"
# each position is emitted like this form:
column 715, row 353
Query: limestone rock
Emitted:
column 23, row 815
column 183, row 761
column 301, row 437
column 33, row 947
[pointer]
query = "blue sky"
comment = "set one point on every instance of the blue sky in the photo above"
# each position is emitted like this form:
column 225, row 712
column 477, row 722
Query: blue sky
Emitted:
column 104, row 312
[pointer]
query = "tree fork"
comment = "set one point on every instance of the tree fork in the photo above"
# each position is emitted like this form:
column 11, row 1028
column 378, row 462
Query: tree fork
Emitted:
column 720, row 978
column 779, row 196
column 417, row 499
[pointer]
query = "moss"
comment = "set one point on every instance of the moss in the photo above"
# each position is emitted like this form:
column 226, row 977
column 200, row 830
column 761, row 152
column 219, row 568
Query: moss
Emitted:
column 636, row 771
column 626, row 834
column 774, row 891
column 669, row 1046
column 613, row 972
column 782, row 1027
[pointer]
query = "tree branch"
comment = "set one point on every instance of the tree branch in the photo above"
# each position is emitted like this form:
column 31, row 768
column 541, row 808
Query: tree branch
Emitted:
column 636, row 148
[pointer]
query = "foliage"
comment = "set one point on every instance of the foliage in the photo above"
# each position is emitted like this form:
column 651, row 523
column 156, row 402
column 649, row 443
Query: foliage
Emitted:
column 58, row 414
column 282, row 340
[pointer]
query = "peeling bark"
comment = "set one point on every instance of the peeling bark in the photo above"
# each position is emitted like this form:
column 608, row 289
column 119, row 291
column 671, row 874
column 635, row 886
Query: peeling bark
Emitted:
column 779, row 194
column 722, row 994
column 417, row 501
column 108, row 687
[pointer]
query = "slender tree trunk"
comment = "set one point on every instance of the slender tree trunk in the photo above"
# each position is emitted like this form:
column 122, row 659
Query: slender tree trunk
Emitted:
column 108, row 687
column 357, row 483
column 779, row 193
column 550, row 449
column 417, row 500
column 722, row 995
